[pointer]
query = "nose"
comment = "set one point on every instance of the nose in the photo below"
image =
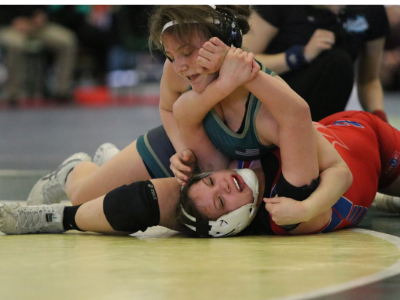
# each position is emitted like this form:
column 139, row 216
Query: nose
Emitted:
column 180, row 65
column 224, row 186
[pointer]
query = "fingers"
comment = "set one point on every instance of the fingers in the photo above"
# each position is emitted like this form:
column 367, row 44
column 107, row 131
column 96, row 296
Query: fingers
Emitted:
column 180, row 176
column 325, row 36
column 212, row 55
column 271, row 200
column 181, row 182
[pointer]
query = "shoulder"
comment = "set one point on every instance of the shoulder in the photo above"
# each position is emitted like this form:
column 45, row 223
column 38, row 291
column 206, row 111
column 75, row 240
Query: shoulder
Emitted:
column 371, row 19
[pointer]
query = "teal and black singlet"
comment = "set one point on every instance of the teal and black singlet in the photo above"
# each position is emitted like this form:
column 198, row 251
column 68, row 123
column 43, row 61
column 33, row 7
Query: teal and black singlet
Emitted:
column 156, row 149
column 240, row 146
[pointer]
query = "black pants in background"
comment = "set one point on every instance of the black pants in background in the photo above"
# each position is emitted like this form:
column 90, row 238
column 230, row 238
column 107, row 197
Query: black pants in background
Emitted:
column 326, row 83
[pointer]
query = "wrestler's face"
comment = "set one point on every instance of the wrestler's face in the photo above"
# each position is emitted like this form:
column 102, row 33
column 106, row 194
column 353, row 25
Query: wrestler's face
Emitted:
column 220, row 193
column 184, row 59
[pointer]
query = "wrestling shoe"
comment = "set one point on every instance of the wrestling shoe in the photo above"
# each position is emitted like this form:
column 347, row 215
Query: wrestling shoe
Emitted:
column 51, row 188
column 104, row 153
column 387, row 203
column 17, row 219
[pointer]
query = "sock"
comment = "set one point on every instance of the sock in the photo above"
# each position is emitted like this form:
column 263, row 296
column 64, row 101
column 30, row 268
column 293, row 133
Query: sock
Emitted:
column 69, row 217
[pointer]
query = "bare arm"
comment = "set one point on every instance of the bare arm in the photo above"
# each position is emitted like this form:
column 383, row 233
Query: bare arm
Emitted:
column 258, row 39
column 192, row 107
column 171, row 87
column 262, row 33
column 314, row 212
column 295, row 133
column 368, row 83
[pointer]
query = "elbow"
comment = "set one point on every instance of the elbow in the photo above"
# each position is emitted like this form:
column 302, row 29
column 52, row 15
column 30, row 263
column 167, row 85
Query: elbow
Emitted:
column 302, row 112
column 178, row 112
column 348, row 177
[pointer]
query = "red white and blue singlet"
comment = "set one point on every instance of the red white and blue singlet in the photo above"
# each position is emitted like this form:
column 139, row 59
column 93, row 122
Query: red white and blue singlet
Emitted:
column 371, row 149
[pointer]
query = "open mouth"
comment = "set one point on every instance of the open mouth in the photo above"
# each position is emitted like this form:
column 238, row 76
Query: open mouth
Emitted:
column 238, row 183
column 192, row 77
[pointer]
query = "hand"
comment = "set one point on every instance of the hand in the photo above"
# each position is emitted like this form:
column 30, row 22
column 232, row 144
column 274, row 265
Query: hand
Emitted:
column 239, row 67
column 320, row 41
column 182, row 165
column 212, row 55
column 285, row 211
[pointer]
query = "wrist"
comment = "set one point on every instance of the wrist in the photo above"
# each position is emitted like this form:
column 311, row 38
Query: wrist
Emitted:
column 295, row 57
column 307, row 211
column 222, row 87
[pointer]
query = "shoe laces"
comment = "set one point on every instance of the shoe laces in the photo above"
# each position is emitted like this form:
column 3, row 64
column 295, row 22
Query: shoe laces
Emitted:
column 31, row 219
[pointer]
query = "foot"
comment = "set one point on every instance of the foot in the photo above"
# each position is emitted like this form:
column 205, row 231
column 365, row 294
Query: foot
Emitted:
column 51, row 188
column 16, row 219
column 386, row 203
column 104, row 153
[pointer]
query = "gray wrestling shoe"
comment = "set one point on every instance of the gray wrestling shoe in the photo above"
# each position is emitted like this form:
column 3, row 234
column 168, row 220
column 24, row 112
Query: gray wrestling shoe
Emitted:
column 16, row 219
column 51, row 188
column 386, row 203
column 104, row 153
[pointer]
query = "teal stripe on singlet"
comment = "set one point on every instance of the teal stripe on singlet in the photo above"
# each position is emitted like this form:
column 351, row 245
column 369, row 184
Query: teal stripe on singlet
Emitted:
column 239, row 146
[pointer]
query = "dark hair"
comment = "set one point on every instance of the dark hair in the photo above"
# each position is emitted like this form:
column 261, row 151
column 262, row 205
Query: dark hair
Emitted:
column 188, row 204
column 198, row 15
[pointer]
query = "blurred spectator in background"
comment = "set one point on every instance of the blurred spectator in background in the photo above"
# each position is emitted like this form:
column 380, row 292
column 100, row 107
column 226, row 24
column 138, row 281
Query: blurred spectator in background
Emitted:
column 113, row 42
column 25, row 32
column 390, row 70
column 92, row 25
column 314, row 48
column 130, row 60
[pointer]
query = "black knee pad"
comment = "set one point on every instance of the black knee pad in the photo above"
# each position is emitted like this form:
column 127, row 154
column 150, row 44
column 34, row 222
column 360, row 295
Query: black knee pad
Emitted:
column 285, row 189
column 133, row 207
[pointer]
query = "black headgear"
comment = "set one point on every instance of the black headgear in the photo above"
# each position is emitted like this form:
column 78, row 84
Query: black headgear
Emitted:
column 229, row 32
column 228, row 28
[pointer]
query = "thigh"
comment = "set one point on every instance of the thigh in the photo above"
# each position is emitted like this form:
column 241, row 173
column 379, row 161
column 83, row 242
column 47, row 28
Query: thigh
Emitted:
column 123, row 169
column 57, row 37
column 12, row 38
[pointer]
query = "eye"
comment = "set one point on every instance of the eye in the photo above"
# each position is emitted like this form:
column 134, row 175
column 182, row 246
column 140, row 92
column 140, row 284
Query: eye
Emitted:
column 188, row 53
column 222, row 202
column 211, row 181
column 169, row 58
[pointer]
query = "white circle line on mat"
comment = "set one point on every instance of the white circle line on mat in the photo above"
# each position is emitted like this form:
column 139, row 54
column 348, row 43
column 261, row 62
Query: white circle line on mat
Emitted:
column 337, row 288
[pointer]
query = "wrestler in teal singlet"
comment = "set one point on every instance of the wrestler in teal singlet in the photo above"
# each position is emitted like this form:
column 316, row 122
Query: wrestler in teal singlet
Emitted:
column 155, row 148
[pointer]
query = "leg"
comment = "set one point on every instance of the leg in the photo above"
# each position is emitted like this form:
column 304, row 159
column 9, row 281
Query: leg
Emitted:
column 15, row 219
column 87, row 181
column 386, row 200
column 90, row 217
column 63, row 43
column 14, row 43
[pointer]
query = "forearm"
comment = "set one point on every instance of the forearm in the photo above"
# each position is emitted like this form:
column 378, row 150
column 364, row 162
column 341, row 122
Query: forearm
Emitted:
column 283, row 103
column 334, row 183
column 191, row 107
column 207, row 156
column 370, row 95
column 276, row 62
column 172, row 128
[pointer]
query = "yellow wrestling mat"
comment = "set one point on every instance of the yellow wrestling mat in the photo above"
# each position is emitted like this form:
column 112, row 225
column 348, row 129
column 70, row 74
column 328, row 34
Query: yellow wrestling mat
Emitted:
column 162, row 264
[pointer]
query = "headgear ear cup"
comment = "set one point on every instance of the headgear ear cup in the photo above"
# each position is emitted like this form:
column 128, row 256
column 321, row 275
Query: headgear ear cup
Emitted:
column 230, row 30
